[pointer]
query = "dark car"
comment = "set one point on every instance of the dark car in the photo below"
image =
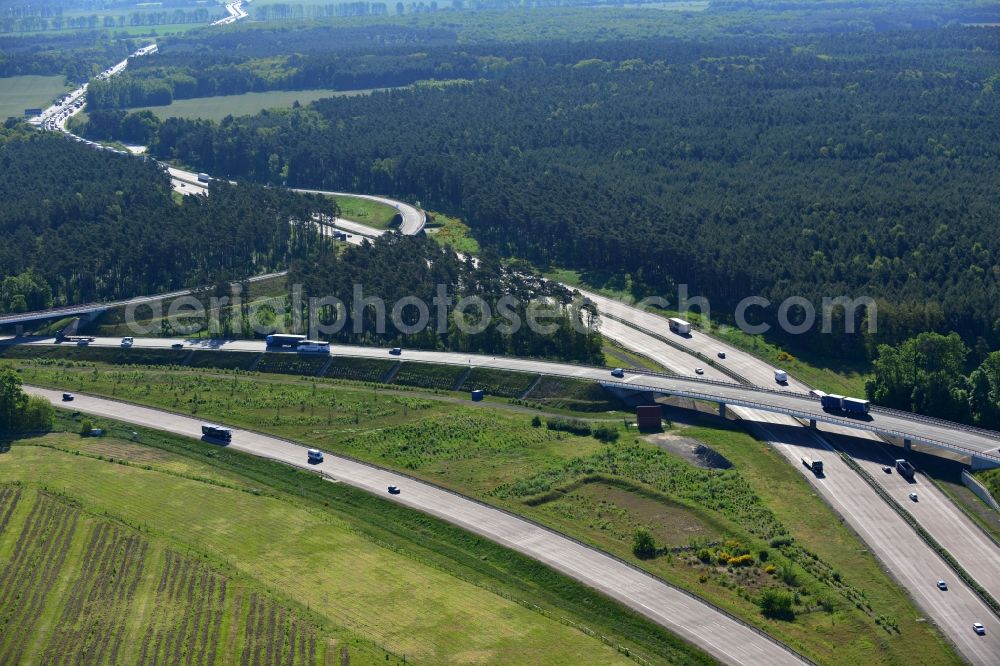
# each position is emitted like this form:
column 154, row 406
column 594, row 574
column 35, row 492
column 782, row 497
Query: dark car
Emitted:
column 393, row 490
column 67, row 397
column 177, row 345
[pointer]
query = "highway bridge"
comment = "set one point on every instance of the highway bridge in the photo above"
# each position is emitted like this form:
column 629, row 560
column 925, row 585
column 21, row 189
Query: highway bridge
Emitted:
column 982, row 446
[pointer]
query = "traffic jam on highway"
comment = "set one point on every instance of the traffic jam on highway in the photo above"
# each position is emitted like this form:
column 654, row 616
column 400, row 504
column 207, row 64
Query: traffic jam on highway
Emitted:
column 56, row 117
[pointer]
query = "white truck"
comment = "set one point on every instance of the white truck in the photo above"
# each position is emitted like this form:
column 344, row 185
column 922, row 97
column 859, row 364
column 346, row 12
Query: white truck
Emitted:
column 781, row 376
column 679, row 326
column 313, row 347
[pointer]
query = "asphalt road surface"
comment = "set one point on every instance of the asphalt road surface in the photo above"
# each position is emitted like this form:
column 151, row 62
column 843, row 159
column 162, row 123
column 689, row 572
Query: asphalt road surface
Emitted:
column 909, row 560
column 725, row 638
column 801, row 406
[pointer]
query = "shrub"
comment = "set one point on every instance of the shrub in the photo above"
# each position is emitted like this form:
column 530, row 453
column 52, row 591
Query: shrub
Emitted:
column 705, row 555
column 606, row 434
column 776, row 604
column 740, row 561
column 536, row 422
column 573, row 426
column 770, row 569
column 763, row 555
column 86, row 425
column 643, row 545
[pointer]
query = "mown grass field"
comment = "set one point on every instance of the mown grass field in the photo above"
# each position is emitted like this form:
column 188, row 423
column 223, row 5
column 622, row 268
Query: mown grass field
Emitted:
column 217, row 108
column 305, row 558
column 846, row 607
column 367, row 212
column 18, row 93
column 452, row 232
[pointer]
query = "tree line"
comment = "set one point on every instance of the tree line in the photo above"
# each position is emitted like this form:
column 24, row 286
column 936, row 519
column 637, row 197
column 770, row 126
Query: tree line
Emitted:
column 931, row 374
column 857, row 165
column 82, row 225
column 395, row 267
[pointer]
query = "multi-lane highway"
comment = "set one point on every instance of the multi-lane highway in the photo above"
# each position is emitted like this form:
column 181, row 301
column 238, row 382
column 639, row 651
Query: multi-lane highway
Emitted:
column 722, row 636
column 909, row 560
column 981, row 443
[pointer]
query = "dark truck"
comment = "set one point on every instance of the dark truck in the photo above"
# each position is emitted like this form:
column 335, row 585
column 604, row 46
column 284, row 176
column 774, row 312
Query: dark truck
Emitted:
column 905, row 469
column 844, row 405
column 220, row 433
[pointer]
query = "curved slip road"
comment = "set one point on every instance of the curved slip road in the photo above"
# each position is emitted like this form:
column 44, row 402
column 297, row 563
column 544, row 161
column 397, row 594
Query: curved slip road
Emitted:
column 717, row 633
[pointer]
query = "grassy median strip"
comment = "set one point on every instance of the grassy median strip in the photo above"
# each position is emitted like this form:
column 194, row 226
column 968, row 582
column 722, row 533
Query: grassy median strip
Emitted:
column 980, row 591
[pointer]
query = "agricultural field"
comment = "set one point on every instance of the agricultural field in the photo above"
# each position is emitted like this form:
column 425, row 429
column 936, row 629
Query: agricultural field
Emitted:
column 217, row 108
column 367, row 212
column 499, row 382
column 726, row 534
column 267, row 564
column 18, row 93
column 81, row 590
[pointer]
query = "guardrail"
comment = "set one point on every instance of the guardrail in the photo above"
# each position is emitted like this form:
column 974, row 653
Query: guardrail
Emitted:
column 942, row 552
column 826, row 418
column 676, row 345
column 931, row 420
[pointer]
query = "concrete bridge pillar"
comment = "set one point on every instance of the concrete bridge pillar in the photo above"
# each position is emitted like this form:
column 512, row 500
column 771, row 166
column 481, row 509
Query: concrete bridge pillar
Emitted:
column 983, row 463
column 19, row 330
column 812, row 423
column 722, row 409
column 907, row 445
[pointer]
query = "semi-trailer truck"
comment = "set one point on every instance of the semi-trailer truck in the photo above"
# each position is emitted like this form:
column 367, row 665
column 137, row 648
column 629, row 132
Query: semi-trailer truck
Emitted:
column 313, row 346
column 679, row 326
column 845, row 405
column 283, row 340
column 217, row 432
column 905, row 469
column 813, row 464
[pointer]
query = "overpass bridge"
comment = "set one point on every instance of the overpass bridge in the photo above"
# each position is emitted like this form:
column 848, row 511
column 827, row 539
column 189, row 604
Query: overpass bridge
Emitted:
column 981, row 446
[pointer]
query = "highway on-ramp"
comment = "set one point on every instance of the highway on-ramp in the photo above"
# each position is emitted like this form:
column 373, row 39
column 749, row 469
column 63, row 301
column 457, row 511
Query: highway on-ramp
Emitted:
column 719, row 634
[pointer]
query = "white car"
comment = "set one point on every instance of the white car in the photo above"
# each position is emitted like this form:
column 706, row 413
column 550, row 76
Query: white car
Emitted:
column 942, row 585
column 979, row 628
column 699, row 371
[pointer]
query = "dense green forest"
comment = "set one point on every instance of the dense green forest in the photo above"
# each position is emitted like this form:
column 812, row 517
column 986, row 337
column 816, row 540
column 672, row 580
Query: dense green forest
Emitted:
column 395, row 267
column 77, row 57
column 821, row 166
column 928, row 374
column 179, row 73
column 82, row 225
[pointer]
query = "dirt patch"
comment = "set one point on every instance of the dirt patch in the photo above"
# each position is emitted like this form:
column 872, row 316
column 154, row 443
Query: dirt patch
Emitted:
column 692, row 450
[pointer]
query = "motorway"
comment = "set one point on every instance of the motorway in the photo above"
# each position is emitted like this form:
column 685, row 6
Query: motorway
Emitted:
column 983, row 444
column 748, row 366
column 725, row 638
column 897, row 546
column 413, row 222
column 907, row 558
